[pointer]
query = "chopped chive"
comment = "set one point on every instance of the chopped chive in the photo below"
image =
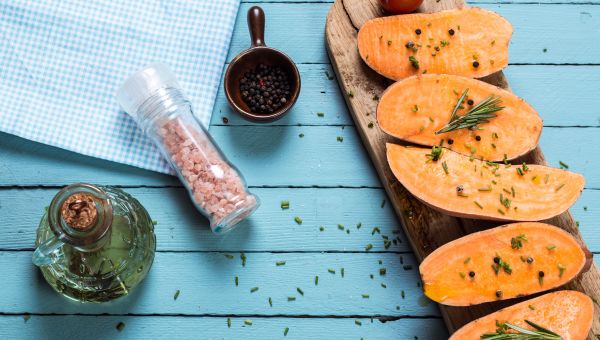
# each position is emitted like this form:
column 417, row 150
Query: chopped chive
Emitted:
column 229, row 322
column 531, row 307
column 501, row 212
column 415, row 108
column 340, row 226
column 563, row 165
column 551, row 247
column 253, row 289
column 365, row 296
column 382, row 203
column 300, row 291
column 520, row 172
column 402, row 294
column 561, row 269
column 489, row 188
column 382, row 271
column 340, row 139
column 243, row 258
column 321, row 228
column 248, row 322
column 506, row 191
column 414, row 62
column 291, row 298
column 229, row 256
column 298, row 220
column 467, row 260
column 236, row 281
column 350, row 94
column 301, row 135
column 376, row 230
column 332, row 271
column 359, row 225
column 407, row 267
column 280, row 263
column 462, row 275
column 369, row 247
column 493, row 145
column 321, row 114
column 176, row 294
column 445, row 167
column 383, row 285
column 494, row 135
column 512, row 190
column 120, row 326
column 285, row 331
column 559, row 187
column 285, row 204
column 317, row 280
column 478, row 204
column 342, row 272
column 270, row 302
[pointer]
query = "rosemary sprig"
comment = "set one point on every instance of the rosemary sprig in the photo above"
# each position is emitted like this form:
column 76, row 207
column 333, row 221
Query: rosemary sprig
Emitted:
column 538, row 333
column 478, row 114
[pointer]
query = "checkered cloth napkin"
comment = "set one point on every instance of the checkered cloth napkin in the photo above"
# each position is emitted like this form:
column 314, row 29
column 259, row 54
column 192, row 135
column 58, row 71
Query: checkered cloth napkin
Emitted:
column 62, row 61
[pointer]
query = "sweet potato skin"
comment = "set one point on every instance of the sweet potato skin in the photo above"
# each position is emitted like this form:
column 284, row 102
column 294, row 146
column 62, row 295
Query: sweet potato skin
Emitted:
column 415, row 108
column 479, row 37
column 554, row 252
column 541, row 193
column 567, row 313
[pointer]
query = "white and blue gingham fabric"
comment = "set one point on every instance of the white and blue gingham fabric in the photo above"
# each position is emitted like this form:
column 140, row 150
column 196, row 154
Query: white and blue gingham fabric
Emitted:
column 62, row 61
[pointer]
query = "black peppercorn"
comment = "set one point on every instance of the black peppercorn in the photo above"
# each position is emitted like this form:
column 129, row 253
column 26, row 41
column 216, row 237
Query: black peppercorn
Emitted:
column 410, row 44
column 451, row 31
column 472, row 274
column 450, row 141
column 478, row 138
column 476, row 64
column 418, row 31
column 496, row 260
column 498, row 293
column 470, row 102
column 459, row 188
column 265, row 89
column 529, row 259
column 541, row 274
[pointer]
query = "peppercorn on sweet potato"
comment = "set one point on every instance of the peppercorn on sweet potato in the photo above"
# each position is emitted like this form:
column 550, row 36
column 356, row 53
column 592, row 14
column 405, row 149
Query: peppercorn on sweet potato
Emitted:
column 472, row 42
column 465, row 187
column 417, row 108
column 567, row 313
column 501, row 263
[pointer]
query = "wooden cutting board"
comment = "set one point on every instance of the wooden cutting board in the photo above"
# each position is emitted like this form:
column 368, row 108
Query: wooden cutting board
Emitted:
column 425, row 228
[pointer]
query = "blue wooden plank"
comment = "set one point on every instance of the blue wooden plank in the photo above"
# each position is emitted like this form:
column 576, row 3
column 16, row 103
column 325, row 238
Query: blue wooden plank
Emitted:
column 568, row 33
column 563, row 95
column 181, row 228
column 470, row 2
column 179, row 327
column 206, row 285
column 282, row 159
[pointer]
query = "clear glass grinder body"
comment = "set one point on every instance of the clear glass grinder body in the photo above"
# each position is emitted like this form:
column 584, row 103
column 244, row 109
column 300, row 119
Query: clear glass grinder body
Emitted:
column 94, row 243
column 155, row 100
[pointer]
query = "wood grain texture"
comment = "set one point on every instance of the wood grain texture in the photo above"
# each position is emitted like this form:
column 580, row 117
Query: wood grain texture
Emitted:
column 425, row 228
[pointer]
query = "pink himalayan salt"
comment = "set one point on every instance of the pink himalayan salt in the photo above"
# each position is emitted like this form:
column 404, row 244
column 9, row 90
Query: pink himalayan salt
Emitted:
column 216, row 187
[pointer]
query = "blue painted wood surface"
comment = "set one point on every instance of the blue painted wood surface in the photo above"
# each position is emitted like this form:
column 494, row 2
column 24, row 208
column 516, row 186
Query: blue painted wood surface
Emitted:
column 327, row 182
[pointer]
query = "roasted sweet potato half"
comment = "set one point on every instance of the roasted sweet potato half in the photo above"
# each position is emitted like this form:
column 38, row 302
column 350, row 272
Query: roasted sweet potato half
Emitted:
column 465, row 187
column 501, row 263
column 471, row 42
column 566, row 313
column 417, row 108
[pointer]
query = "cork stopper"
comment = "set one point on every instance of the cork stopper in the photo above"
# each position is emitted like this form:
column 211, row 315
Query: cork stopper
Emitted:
column 79, row 211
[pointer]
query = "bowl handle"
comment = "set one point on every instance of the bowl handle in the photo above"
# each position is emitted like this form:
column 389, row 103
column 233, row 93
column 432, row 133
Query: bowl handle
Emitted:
column 256, row 25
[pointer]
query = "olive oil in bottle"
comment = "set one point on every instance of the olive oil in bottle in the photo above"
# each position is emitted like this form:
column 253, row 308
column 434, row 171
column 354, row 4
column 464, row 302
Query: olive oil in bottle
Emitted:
column 94, row 243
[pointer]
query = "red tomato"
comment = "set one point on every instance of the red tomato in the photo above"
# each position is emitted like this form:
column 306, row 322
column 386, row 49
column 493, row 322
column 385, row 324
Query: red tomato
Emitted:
column 400, row 6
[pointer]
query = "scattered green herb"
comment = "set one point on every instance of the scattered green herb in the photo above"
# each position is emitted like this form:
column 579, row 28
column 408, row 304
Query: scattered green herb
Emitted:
column 298, row 220
column 563, row 165
column 280, row 263
column 285, row 204
column 176, row 294
column 414, row 62
column 517, row 242
column 248, row 322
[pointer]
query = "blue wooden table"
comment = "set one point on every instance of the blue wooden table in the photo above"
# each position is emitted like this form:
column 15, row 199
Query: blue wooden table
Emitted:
column 555, row 59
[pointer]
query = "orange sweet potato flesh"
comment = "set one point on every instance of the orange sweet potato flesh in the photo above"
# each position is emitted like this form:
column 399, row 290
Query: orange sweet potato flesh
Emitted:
column 566, row 313
column 461, row 272
column 415, row 108
column 473, row 188
column 479, row 36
